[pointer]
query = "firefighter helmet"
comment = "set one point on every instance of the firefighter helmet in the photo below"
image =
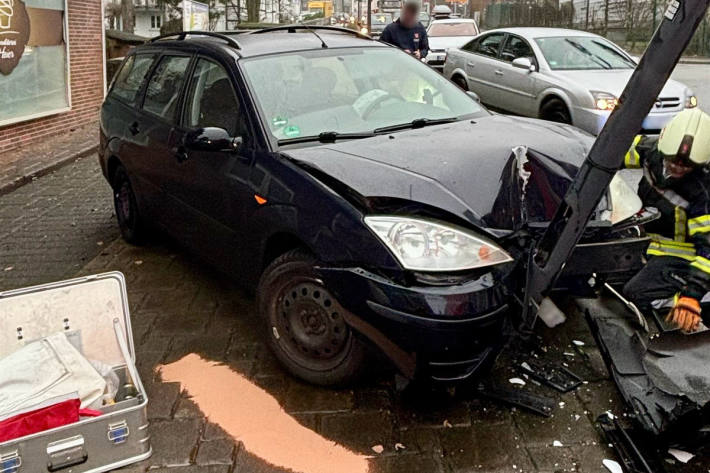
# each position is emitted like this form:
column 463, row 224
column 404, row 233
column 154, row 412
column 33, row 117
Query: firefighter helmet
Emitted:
column 687, row 137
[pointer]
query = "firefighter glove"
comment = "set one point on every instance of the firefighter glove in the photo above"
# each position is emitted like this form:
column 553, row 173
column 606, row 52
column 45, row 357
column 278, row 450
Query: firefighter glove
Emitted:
column 685, row 313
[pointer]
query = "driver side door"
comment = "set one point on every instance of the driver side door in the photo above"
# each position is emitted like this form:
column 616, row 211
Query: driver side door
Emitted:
column 211, row 186
column 480, row 64
column 516, row 87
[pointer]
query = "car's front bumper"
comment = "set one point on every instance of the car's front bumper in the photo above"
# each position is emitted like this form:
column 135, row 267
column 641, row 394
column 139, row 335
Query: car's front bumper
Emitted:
column 593, row 120
column 436, row 59
column 450, row 332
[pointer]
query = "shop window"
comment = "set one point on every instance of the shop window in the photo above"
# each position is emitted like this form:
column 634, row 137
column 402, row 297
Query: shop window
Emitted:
column 33, row 59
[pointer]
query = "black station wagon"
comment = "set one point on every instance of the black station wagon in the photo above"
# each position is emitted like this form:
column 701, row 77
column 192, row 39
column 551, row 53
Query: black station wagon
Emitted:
column 370, row 202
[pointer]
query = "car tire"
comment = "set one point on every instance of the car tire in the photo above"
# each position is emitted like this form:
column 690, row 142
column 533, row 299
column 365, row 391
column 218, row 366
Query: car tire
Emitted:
column 305, row 325
column 461, row 82
column 555, row 110
column 126, row 208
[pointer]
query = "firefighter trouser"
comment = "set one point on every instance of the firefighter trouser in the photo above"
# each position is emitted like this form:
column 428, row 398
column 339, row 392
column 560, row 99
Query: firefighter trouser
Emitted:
column 662, row 278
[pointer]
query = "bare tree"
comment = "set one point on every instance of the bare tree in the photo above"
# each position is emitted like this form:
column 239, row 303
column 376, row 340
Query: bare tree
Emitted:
column 128, row 15
column 253, row 10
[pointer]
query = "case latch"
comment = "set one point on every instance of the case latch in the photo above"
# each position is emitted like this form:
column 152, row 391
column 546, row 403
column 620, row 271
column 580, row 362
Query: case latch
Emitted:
column 66, row 453
column 118, row 432
column 10, row 462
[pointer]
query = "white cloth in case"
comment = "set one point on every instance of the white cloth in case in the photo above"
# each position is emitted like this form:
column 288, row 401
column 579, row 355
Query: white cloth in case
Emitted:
column 46, row 369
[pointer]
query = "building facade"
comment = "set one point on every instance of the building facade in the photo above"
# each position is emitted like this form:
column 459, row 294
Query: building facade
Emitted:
column 51, row 68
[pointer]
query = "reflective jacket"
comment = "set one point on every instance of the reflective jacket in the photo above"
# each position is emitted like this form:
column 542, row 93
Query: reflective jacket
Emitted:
column 683, row 230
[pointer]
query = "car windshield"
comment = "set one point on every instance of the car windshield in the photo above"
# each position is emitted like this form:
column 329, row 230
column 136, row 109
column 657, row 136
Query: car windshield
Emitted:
column 582, row 53
column 381, row 19
column 350, row 90
column 464, row 28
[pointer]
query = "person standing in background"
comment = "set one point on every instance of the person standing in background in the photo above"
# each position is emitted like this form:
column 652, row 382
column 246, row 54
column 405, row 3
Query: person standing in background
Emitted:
column 406, row 32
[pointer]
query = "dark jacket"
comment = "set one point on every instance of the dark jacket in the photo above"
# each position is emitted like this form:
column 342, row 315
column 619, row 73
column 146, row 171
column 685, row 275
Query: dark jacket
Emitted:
column 683, row 230
column 413, row 39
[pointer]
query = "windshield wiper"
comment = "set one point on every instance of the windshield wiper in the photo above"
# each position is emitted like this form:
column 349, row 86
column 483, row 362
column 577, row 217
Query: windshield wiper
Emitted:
column 416, row 123
column 602, row 62
column 326, row 137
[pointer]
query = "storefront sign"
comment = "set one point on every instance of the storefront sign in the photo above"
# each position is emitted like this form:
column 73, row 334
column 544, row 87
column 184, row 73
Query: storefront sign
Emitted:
column 195, row 16
column 14, row 33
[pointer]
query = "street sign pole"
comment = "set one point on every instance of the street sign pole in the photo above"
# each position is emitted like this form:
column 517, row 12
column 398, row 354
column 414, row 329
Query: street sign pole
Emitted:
column 369, row 16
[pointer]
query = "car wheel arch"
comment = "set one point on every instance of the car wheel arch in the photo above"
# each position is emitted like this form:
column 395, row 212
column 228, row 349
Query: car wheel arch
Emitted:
column 280, row 243
column 112, row 164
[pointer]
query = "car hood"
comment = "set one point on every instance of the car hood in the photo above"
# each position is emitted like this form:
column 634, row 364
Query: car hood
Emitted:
column 614, row 82
column 497, row 172
column 446, row 42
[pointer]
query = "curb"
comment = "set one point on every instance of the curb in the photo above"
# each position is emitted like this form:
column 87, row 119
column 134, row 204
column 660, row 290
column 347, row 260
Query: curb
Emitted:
column 694, row 61
column 53, row 166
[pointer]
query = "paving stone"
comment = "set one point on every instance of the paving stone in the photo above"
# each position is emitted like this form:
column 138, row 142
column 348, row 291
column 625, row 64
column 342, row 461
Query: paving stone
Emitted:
column 360, row 430
column 161, row 399
column 214, row 432
column 303, row 397
column 248, row 463
column 553, row 458
column 193, row 469
column 174, row 441
column 405, row 463
column 421, row 439
column 216, row 452
column 186, row 409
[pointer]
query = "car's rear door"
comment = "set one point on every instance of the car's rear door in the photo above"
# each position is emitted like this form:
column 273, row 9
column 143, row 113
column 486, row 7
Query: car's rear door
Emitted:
column 480, row 63
column 515, row 87
column 212, row 186
column 159, row 116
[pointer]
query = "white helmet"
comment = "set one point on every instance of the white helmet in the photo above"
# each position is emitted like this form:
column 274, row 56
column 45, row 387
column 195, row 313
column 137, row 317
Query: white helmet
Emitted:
column 687, row 137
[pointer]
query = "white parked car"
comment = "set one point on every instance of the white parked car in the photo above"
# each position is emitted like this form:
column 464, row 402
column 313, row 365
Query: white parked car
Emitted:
column 561, row 75
column 445, row 34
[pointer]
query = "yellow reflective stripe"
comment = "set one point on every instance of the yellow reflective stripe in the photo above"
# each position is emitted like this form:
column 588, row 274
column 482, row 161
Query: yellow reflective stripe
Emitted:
column 681, row 221
column 632, row 160
column 699, row 224
column 702, row 264
column 668, row 242
column 664, row 249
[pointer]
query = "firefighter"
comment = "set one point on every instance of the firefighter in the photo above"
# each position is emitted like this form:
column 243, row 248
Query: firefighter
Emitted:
column 676, row 180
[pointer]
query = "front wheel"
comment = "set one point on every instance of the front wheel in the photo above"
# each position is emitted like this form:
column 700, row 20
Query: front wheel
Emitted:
column 555, row 110
column 305, row 325
column 461, row 82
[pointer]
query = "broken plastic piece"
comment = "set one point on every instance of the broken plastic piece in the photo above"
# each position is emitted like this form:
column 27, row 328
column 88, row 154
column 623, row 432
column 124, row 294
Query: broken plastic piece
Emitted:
column 516, row 397
column 680, row 455
column 550, row 313
column 517, row 381
column 612, row 466
column 553, row 375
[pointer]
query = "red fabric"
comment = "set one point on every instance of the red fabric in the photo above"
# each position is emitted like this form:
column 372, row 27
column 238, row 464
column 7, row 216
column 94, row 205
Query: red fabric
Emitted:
column 90, row 413
column 56, row 415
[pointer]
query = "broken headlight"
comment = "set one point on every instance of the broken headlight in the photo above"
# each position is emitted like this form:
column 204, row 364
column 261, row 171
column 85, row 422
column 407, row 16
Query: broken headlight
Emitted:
column 424, row 245
column 619, row 203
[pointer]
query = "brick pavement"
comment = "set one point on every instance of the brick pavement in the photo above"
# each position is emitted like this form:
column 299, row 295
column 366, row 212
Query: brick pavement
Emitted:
column 53, row 226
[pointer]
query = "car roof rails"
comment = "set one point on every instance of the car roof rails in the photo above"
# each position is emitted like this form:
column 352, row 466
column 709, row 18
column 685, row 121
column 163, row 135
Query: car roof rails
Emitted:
column 181, row 36
column 293, row 28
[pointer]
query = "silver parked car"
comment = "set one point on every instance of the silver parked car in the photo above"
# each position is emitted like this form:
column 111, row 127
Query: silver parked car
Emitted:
column 561, row 75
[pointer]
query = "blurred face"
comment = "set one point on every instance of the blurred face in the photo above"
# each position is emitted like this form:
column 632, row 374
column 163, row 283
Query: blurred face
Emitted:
column 409, row 15
column 676, row 168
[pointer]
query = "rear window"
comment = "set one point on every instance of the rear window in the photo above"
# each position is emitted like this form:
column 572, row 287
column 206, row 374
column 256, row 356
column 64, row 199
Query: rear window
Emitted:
column 453, row 29
column 131, row 77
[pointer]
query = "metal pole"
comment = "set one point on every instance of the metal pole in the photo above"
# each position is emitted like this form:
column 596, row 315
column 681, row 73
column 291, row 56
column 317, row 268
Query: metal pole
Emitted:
column 369, row 16
column 547, row 259
column 654, row 6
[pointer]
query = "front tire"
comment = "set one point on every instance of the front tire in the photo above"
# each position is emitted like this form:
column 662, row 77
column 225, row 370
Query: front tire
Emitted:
column 126, row 208
column 461, row 82
column 555, row 110
column 306, row 329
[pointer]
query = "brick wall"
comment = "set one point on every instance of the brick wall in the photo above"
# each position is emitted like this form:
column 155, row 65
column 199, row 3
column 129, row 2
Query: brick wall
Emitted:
column 85, row 41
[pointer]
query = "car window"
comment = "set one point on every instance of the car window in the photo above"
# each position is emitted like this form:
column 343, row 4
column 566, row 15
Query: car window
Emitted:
column 349, row 90
column 516, row 47
column 131, row 77
column 212, row 101
column 582, row 53
column 464, row 28
column 471, row 46
column 163, row 91
column 489, row 45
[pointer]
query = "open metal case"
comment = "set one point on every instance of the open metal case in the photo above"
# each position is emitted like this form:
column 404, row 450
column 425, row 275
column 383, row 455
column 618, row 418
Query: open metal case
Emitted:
column 93, row 313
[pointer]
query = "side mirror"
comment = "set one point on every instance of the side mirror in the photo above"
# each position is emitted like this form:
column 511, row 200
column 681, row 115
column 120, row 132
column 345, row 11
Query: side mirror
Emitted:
column 211, row 139
column 474, row 96
column 524, row 63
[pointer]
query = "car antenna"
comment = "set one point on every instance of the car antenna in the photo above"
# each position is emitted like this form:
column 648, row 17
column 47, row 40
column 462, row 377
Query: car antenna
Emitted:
column 322, row 43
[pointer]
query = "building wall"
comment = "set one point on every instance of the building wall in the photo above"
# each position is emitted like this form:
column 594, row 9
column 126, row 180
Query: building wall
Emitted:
column 86, row 67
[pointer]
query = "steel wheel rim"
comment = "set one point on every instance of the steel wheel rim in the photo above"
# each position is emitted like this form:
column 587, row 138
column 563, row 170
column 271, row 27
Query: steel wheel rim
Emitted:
column 309, row 327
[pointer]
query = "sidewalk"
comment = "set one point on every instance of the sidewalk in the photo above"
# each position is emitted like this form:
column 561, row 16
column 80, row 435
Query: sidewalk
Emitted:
column 21, row 165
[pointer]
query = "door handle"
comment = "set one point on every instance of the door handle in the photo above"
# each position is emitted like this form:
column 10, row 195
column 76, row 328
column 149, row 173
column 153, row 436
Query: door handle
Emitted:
column 499, row 72
column 133, row 128
column 471, row 64
column 180, row 154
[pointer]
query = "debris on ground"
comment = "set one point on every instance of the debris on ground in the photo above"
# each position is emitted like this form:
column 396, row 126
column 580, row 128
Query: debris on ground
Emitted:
column 447, row 424
column 612, row 466
column 557, row 443
column 398, row 446
column 378, row 449
column 517, row 381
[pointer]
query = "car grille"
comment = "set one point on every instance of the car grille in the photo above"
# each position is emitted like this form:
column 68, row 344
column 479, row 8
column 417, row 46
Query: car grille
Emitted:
column 665, row 103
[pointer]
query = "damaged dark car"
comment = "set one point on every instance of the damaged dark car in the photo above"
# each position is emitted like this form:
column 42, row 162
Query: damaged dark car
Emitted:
column 368, row 200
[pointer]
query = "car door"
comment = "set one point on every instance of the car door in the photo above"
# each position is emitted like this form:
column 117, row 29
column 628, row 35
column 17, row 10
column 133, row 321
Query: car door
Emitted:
column 212, row 186
column 515, row 87
column 480, row 63
column 159, row 116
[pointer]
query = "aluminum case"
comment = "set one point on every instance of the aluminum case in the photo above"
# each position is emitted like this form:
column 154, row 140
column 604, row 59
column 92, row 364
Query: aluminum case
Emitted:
column 93, row 312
